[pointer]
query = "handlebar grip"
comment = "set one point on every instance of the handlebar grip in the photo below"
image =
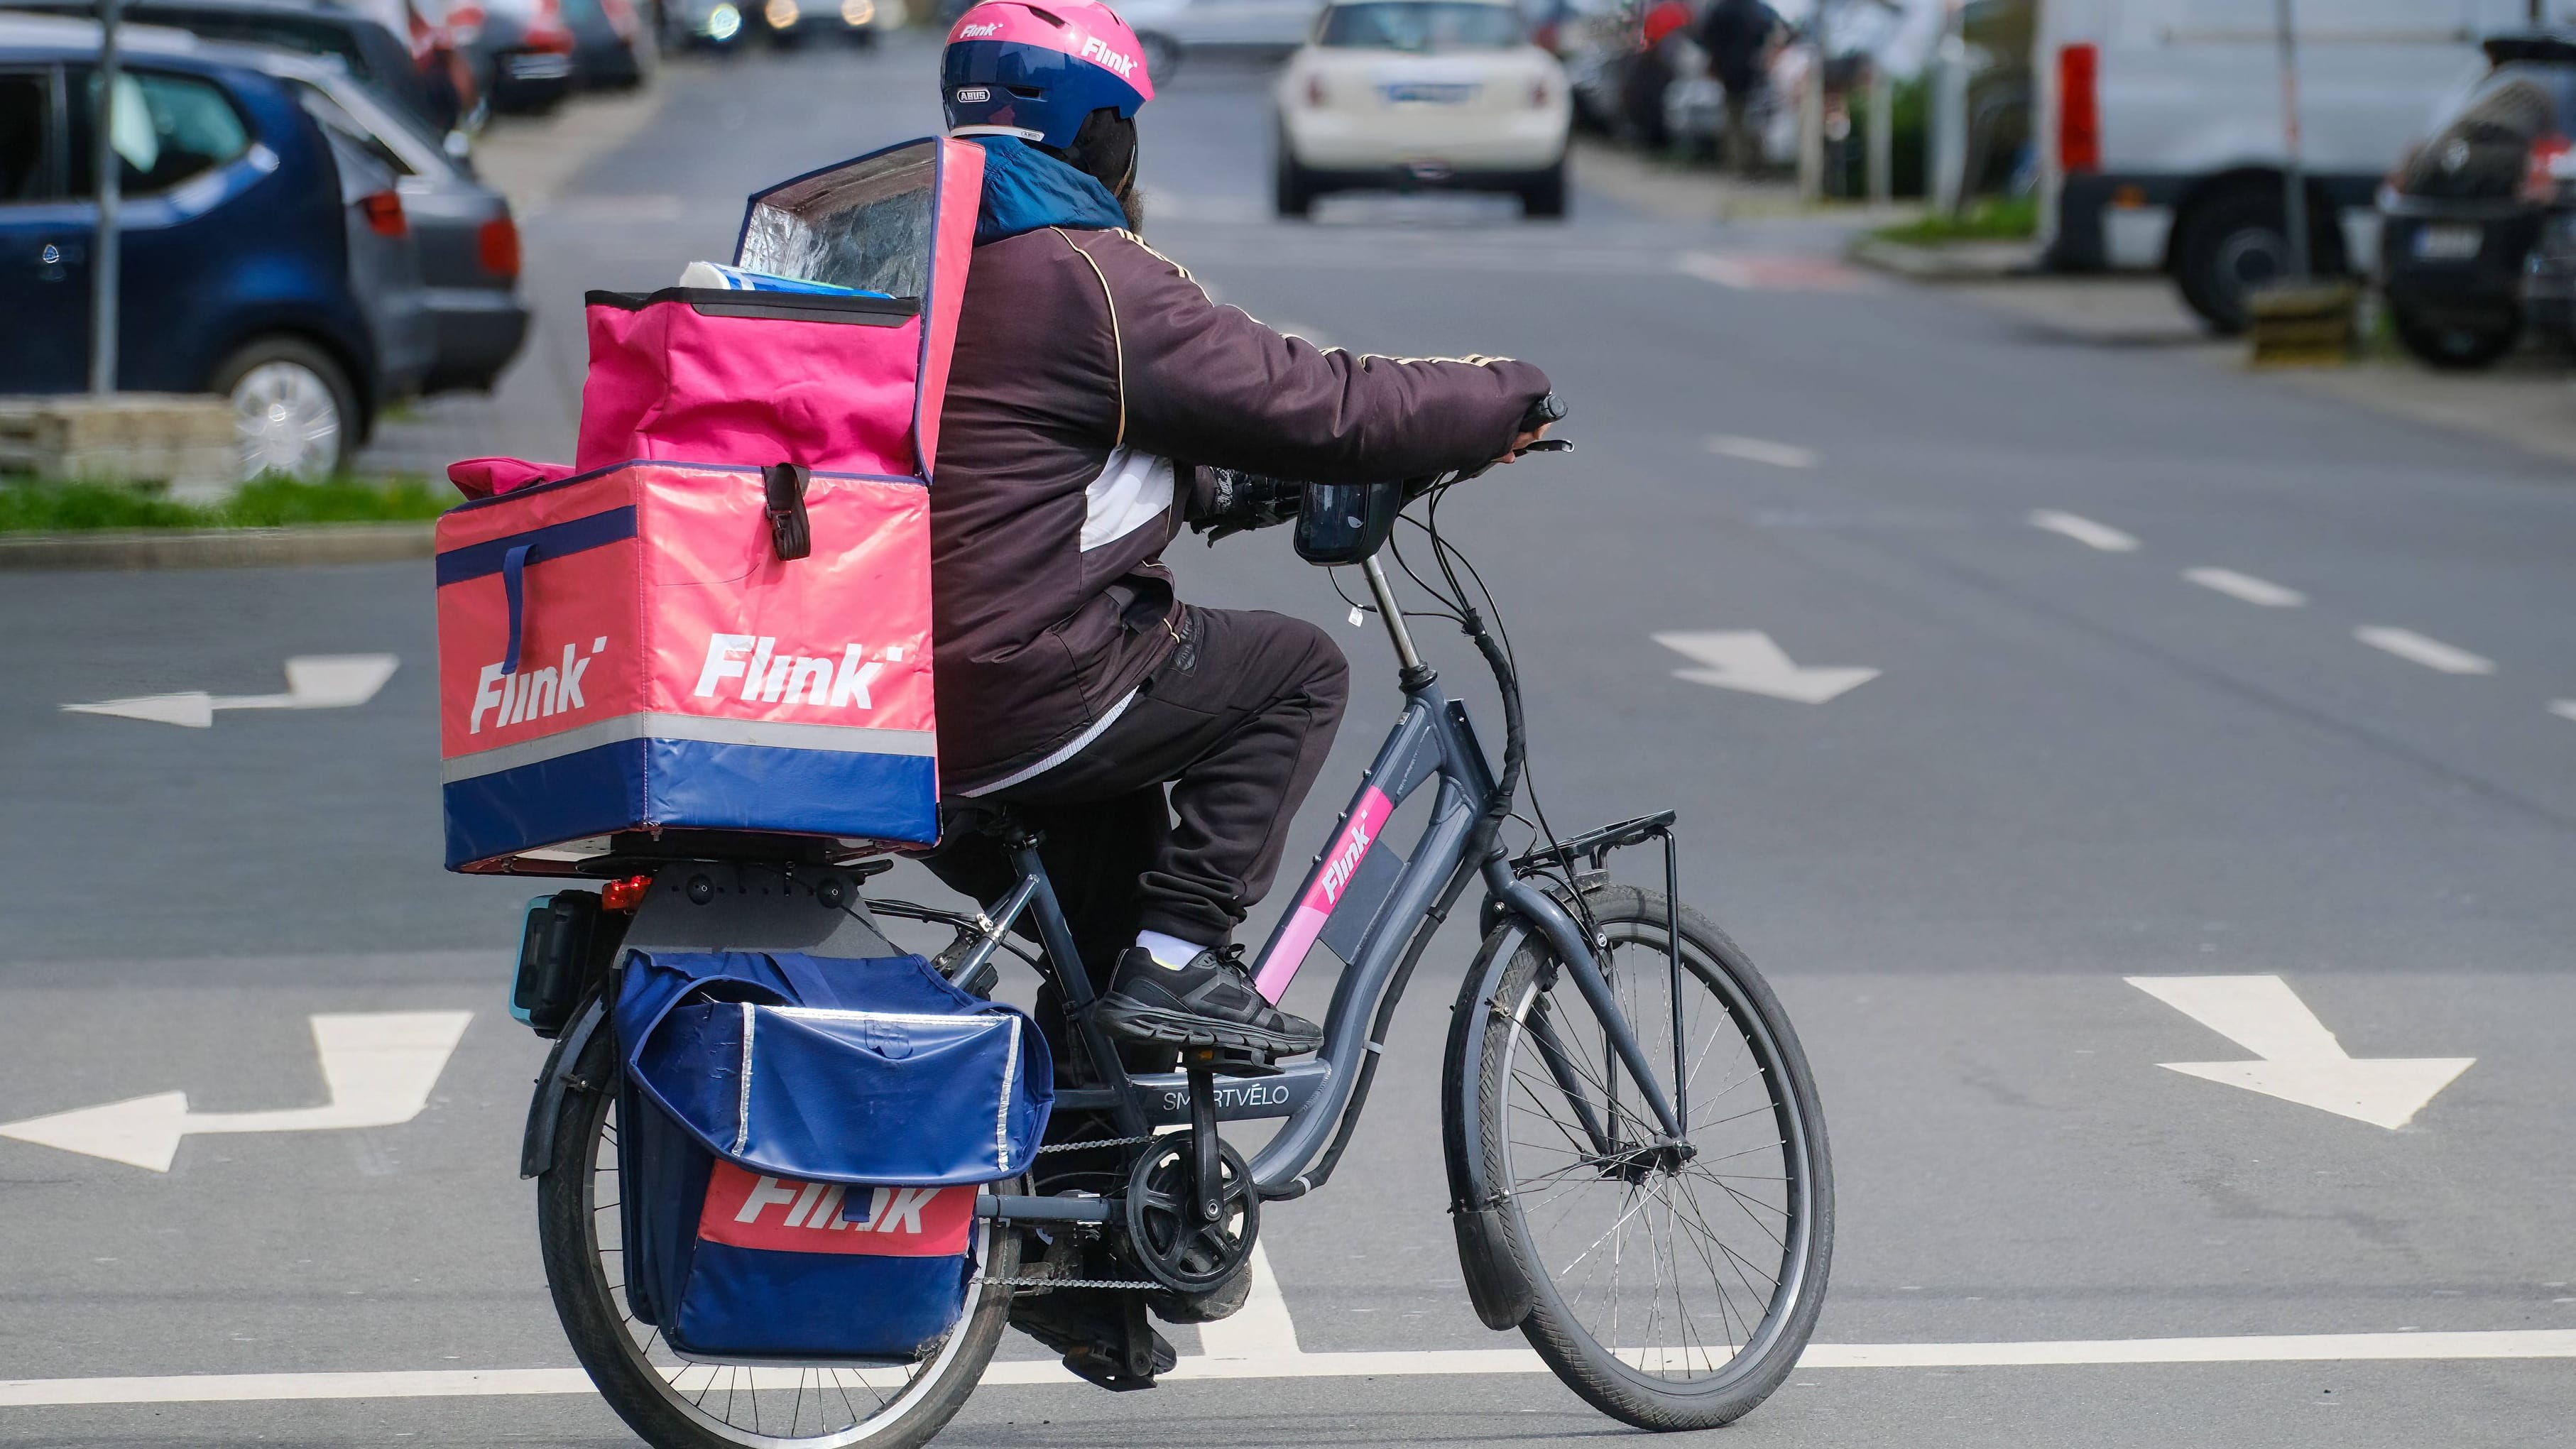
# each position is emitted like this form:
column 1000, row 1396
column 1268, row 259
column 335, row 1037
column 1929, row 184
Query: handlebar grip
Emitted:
column 1549, row 409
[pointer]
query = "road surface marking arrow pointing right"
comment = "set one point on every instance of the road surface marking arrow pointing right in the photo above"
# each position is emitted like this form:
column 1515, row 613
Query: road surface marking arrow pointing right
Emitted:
column 2301, row 1060
column 1747, row 660
column 313, row 681
column 378, row 1065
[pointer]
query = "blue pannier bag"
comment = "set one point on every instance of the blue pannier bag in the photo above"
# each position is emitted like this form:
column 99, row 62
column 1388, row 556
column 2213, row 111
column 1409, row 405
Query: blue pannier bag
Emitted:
column 802, row 1141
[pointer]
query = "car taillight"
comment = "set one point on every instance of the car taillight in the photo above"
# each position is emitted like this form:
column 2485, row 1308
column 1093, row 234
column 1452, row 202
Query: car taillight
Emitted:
column 546, row 28
column 384, row 213
column 1315, row 91
column 2079, row 112
column 496, row 246
column 2548, row 165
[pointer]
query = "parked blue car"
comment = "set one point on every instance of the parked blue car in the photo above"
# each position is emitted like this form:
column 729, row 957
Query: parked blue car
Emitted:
column 238, row 247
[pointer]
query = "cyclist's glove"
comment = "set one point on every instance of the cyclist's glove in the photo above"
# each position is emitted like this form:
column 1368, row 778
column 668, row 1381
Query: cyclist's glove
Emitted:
column 1242, row 501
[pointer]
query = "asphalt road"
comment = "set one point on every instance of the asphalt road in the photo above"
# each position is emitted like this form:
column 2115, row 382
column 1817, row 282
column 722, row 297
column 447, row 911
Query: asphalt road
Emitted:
column 2075, row 765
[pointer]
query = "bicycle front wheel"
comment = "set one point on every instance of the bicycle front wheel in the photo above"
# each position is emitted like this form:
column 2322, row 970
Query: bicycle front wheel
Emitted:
column 1673, row 1289
column 677, row 1402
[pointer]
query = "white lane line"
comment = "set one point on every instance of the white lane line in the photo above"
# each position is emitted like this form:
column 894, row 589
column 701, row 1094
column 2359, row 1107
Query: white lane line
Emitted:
column 2414, row 648
column 2520, row 1343
column 2084, row 531
column 1757, row 450
column 2563, row 708
column 1261, row 1328
column 2246, row 587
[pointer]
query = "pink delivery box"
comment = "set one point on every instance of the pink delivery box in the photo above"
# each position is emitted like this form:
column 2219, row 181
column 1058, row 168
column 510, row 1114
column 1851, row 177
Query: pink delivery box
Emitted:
column 635, row 649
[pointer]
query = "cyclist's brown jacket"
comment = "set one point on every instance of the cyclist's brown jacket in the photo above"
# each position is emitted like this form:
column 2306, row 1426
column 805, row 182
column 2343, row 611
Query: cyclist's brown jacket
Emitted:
column 1092, row 379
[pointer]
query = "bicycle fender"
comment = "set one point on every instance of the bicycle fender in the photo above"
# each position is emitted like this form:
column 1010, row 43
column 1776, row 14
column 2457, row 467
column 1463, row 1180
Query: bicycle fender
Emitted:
column 537, row 1147
column 1496, row 1285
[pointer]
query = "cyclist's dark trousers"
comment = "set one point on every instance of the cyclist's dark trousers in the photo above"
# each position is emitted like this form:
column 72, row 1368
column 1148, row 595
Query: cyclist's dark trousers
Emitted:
column 1236, row 722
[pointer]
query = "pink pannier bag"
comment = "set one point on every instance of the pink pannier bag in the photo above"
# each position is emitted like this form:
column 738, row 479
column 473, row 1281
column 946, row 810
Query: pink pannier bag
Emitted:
column 722, row 621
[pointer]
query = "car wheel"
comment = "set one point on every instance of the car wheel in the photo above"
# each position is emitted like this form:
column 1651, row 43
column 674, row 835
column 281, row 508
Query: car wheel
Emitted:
column 1293, row 187
column 2456, row 345
column 1162, row 55
column 294, row 412
column 1545, row 196
column 2236, row 242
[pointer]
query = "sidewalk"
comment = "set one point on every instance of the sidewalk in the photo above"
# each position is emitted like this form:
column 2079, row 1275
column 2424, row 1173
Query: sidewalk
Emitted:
column 1675, row 192
column 2527, row 402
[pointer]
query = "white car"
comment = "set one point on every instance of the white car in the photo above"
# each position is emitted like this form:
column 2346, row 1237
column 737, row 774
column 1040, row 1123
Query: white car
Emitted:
column 1408, row 94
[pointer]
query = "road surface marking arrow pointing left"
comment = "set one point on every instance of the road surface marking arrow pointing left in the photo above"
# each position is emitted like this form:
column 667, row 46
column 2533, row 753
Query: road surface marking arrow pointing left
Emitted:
column 1747, row 660
column 313, row 681
column 379, row 1066
column 2301, row 1060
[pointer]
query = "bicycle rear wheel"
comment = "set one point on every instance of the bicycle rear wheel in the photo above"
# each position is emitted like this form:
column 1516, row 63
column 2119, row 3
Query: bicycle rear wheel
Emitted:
column 672, row 1402
column 1672, row 1290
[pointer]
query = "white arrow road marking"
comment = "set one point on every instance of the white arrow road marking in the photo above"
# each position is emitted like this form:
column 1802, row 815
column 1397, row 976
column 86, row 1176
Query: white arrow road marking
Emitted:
column 379, row 1067
column 2301, row 1060
column 1747, row 660
column 2246, row 587
column 2415, row 648
column 313, row 681
column 1778, row 455
column 2084, row 531
column 2473, row 1344
column 1261, row 1328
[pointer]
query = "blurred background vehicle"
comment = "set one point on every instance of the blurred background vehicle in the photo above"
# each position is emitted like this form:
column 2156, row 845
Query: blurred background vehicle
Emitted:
column 1405, row 94
column 613, row 49
column 1169, row 30
column 2165, row 146
column 2479, row 229
column 463, row 234
column 793, row 22
column 237, row 274
column 717, row 25
column 526, row 50
column 372, row 52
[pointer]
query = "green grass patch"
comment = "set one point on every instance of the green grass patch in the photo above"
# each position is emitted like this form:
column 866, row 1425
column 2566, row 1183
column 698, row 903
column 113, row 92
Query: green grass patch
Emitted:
column 268, row 503
column 1994, row 218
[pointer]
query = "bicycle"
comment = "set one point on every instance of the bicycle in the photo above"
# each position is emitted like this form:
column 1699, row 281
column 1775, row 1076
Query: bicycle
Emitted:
column 1564, row 1140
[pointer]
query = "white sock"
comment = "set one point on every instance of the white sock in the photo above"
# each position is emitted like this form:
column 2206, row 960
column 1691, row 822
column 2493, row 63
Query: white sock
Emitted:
column 1170, row 952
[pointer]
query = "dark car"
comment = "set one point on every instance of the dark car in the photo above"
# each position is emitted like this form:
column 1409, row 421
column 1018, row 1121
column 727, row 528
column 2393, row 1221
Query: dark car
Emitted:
column 2478, row 230
column 237, row 267
column 371, row 52
column 525, row 49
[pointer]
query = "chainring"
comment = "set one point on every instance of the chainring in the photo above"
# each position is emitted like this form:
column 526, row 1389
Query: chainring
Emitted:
column 1164, row 1230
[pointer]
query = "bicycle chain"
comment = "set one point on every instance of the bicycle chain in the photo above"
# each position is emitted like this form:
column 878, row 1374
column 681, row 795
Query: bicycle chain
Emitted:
column 1063, row 1283
column 1082, row 1146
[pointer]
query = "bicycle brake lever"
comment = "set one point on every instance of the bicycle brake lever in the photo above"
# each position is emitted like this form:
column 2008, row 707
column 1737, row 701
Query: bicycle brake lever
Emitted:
column 1549, row 445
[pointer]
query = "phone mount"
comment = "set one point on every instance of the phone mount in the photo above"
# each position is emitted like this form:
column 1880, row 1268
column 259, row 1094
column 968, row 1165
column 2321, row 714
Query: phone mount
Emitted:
column 1345, row 523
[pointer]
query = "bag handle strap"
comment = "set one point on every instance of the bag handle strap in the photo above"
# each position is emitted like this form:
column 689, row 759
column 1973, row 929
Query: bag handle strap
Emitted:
column 791, row 533
column 514, row 568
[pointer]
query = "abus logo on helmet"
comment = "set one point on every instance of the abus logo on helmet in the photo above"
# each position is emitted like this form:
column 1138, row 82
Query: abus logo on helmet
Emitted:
column 973, row 95
column 769, row 677
column 1097, row 49
column 532, row 694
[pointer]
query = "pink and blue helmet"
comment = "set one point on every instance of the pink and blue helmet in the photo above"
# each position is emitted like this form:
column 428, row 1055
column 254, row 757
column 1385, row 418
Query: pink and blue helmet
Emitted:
column 1035, row 68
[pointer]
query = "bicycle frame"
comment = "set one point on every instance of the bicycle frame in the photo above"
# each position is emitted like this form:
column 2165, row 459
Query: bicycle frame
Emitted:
column 1372, row 907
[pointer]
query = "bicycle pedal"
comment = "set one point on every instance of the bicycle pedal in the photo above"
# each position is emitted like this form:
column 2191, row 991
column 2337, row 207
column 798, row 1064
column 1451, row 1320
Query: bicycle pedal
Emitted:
column 1222, row 1063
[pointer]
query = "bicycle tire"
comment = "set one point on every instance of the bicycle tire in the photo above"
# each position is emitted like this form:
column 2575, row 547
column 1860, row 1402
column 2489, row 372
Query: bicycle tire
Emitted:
column 1619, row 1383
column 650, row 1397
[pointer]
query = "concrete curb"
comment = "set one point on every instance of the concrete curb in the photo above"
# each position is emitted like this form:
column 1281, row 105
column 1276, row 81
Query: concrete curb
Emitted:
column 219, row 548
column 1948, row 262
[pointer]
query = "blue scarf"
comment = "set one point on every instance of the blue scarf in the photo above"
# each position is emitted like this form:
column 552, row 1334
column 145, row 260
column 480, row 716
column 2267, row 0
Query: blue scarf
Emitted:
column 1025, row 189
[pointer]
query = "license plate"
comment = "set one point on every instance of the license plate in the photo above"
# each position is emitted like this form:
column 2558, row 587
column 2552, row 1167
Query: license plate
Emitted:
column 2449, row 243
column 1426, row 93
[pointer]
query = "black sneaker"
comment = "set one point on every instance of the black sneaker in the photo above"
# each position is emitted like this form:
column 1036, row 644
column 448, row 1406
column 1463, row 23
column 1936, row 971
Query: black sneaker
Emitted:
column 1209, row 1002
column 1092, row 1329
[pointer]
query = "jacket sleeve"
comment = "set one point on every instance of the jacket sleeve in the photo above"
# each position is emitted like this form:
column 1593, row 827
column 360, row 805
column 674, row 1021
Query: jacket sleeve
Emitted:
column 1209, row 384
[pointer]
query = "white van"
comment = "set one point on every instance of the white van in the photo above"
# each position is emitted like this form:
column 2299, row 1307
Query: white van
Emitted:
column 2160, row 137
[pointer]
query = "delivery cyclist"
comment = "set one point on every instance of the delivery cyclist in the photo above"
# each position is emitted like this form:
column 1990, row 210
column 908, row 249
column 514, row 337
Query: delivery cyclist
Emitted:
column 1095, row 395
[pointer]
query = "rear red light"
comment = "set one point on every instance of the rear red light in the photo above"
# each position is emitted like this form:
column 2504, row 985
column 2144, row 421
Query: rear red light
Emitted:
column 2079, row 111
column 496, row 246
column 546, row 28
column 2542, row 171
column 384, row 213
column 627, row 894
